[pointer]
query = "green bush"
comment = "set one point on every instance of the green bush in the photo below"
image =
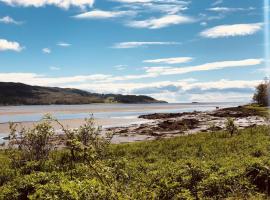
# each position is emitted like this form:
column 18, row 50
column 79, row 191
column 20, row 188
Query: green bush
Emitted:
column 259, row 175
column 230, row 126
column 201, row 166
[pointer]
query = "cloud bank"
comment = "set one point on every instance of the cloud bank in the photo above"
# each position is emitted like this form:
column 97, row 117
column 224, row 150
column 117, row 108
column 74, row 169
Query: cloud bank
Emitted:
column 203, row 67
column 172, row 91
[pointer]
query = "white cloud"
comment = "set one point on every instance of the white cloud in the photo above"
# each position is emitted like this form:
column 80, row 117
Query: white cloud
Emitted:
column 203, row 67
column 106, row 80
column 170, row 8
column 205, row 18
column 32, row 78
column 127, row 45
column 203, row 24
column 156, row 23
column 133, row 1
column 63, row 44
column 185, row 90
column 152, row 1
column 120, row 67
column 264, row 70
column 39, row 79
column 170, row 60
column 232, row 30
column 6, row 45
column 160, row 6
column 217, row 2
column 53, row 68
column 227, row 9
column 131, row 8
column 65, row 4
column 101, row 14
column 9, row 20
column 46, row 50
column 224, row 84
column 221, row 97
column 110, row 83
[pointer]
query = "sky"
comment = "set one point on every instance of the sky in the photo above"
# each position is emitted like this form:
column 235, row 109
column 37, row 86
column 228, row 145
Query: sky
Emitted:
column 173, row 50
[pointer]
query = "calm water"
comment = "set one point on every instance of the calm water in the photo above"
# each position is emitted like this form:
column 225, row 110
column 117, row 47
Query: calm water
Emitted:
column 106, row 111
column 35, row 113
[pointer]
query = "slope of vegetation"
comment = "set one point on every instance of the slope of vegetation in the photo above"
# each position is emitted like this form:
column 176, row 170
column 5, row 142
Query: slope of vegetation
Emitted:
column 21, row 94
column 217, row 165
column 260, row 110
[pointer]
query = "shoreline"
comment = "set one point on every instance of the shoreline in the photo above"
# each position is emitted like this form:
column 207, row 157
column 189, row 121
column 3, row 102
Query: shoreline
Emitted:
column 104, row 114
column 168, row 125
column 165, row 125
column 74, row 123
column 98, row 108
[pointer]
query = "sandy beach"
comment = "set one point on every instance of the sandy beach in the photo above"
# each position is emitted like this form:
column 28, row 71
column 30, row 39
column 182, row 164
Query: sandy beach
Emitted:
column 75, row 123
column 168, row 125
column 105, row 115
column 131, row 128
column 92, row 108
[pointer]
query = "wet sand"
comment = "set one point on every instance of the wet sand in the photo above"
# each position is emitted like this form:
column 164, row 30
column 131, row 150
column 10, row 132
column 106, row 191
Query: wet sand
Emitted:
column 105, row 114
column 122, row 119
column 168, row 125
column 99, row 108
column 162, row 125
column 75, row 123
column 92, row 108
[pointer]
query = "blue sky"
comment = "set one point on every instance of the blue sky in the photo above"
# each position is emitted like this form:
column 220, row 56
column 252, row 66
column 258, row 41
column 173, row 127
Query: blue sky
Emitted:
column 176, row 50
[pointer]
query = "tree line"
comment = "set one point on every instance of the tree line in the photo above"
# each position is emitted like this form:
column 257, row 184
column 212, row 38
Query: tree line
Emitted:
column 262, row 92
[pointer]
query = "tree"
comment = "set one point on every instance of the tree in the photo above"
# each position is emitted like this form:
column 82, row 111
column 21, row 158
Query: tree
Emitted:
column 261, row 95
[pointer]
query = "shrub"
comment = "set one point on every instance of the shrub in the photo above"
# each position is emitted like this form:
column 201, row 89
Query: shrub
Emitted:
column 230, row 126
column 259, row 175
column 201, row 166
column 261, row 95
column 34, row 144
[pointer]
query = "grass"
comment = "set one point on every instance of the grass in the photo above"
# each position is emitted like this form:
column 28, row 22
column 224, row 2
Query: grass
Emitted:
column 206, row 165
column 261, row 110
column 203, row 166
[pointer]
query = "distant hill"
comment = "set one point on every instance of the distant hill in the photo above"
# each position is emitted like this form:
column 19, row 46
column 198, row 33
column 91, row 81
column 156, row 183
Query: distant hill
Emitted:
column 22, row 94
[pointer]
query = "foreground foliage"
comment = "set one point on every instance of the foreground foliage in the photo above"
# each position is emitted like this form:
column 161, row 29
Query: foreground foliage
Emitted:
column 219, row 165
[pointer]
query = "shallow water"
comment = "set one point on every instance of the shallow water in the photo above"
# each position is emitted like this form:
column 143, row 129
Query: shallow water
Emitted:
column 61, row 112
column 101, row 111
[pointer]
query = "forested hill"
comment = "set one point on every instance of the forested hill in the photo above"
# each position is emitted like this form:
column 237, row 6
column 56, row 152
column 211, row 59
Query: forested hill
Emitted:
column 22, row 94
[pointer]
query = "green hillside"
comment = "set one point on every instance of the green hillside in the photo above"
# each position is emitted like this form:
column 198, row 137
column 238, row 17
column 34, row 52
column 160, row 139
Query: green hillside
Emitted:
column 22, row 94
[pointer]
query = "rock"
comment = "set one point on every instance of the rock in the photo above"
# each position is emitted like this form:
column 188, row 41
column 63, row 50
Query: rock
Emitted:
column 167, row 115
column 171, row 125
column 236, row 112
column 6, row 138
